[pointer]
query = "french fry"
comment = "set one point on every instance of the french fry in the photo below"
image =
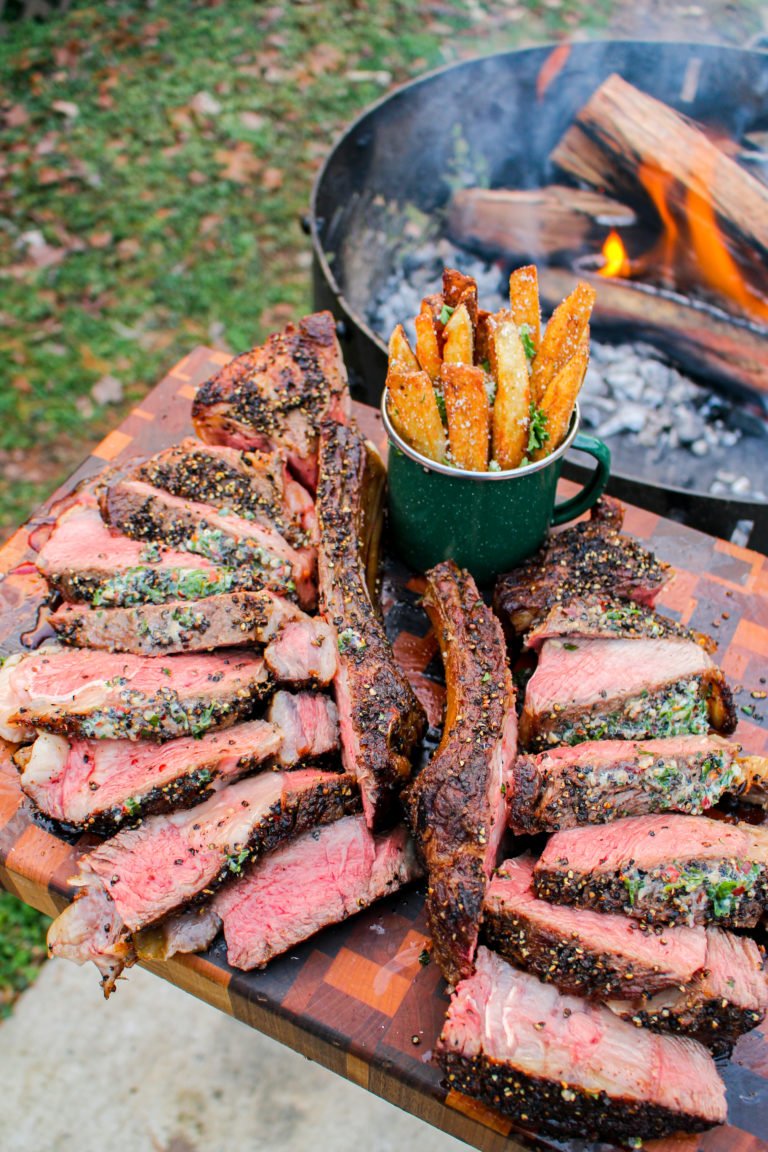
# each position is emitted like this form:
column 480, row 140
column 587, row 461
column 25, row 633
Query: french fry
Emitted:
column 511, row 410
column 524, row 301
column 459, row 337
column 560, row 398
column 413, row 410
column 427, row 346
column 564, row 333
column 400, row 352
column 433, row 305
column 468, row 411
column 483, row 335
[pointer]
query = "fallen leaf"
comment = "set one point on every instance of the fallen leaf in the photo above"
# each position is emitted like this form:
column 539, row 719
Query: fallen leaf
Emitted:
column 204, row 104
column 253, row 121
column 209, row 224
column 91, row 362
column 107, row 390
column 239, row 163
column 100, row 239
column 128, row 247
column 272, row 179
column 66, row 108
column 324, row 58
column 16, row 116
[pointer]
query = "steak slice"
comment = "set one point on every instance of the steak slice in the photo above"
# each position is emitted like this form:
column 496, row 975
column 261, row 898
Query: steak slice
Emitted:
column 583, row 952
column 729, row 998
column 381, row 719
column 601, row 780
column 309, row 724
column 456, row 806
column 277, row 396
column 668, row 869
column 592, row 558
column 147, row 513
column 101, row 784
column 169, row 862
column 83, row 560
column 623, row 689
column 586, row 617
column 106, row 696
column 253, row 485
column 318, row 879
column 569, row 1067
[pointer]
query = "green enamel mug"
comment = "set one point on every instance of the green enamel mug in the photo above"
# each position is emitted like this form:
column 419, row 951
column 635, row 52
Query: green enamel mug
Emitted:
column 486, row 521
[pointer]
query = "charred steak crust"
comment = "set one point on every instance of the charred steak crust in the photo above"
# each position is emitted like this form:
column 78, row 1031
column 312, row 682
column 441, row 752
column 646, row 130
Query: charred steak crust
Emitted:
column 185, row 792
column 607, row 616
column 714, row 1022
column 381, row 719
column 561, row 1109
column 454, row 820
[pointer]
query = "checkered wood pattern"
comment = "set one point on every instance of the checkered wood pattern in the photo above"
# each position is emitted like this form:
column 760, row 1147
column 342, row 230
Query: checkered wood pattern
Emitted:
column 358, row 997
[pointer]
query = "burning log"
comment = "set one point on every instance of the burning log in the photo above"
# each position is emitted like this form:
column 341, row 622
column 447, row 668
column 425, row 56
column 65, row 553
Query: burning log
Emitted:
column 534, row 223
column 633, row 146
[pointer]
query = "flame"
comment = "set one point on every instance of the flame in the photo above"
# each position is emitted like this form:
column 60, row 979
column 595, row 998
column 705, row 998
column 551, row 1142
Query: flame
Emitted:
column 716, row 261
column 615, row 255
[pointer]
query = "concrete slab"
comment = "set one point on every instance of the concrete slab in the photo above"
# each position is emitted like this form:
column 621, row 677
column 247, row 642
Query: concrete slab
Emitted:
column 155, row 1070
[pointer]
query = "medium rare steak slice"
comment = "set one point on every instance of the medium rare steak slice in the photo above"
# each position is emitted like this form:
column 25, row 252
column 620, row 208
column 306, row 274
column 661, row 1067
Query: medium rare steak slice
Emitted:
column 169, row 862
column 591, row 558
column 254, row 485
column 668, row 869
column 101, row 784
column 569, row 1067
column 147, row 513
column 589, row 616
column 318, row 879
column 457, row 806
column 381, row 719
column 303, row 653
column 623, row 689
column 601, row 780
column 729, row 998
column 84, row 560
column 106, row 696
column 583, row 952
column 277, row 396
column 309, row 724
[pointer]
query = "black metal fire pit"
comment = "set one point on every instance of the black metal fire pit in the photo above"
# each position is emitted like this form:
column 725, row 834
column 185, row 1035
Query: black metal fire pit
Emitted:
column 495, row 121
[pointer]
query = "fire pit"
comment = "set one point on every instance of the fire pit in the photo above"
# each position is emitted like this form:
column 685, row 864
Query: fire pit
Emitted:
column 383, row 223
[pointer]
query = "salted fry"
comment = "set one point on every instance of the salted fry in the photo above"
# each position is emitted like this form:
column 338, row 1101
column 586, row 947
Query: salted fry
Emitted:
column 459, row 337
column 414, row 413
column 400, row 352
column 468, row 411
column 560, row 398
column 563, row 335
column 433, row 305
column 511, row 410
column 427, row 345
column 483, row 335
column 524, row 302
column 459, row 289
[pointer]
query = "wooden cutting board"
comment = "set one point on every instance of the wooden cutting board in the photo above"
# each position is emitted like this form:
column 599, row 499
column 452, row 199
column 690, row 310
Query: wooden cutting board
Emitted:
column 364, row 998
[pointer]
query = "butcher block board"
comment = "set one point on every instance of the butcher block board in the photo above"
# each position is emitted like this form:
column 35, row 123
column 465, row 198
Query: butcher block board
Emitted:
column 359, row 998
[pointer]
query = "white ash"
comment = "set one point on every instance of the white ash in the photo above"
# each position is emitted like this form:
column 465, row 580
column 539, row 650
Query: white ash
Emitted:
column 658, row 423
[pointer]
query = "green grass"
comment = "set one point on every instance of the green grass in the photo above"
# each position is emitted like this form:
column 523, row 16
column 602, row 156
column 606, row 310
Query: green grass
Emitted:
column 22, row 948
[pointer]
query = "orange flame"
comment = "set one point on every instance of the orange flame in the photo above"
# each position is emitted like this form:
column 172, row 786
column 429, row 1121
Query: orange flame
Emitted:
column 614, row 253
column 716, row 261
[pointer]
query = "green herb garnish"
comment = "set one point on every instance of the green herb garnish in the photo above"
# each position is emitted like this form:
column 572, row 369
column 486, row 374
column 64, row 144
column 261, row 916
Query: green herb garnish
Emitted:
column 537, row 432
column 527, row 341
column 446, row 313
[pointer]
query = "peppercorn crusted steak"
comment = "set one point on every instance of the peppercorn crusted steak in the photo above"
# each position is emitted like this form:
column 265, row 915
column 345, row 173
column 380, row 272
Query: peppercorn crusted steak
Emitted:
column 381, row 719
column 587, row 617
column 309, row 726
column 586, row 953
column 597, row 689
column 169, row 862
column 278, row 395
column 100, row 695
column 669, row 869
column 457, row 805
column 601, row 780
column 147, row 513
column 589, row 558
column 570, row 1067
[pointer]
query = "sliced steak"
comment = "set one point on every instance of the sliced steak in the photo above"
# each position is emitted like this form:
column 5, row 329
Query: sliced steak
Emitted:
column 623, row 689
column 303, row 653
column 381, row 719
column 172, row 861
column 668, row 869
column 253, row 485
column 147, row 513
column 601, row 780
column 587, row 617
column 276, row 396
column 83, row 560
column 309, row 724
column 590, row 558
column 729, row 998
column 318, row 879
column 568, row 1067
column 105, row 696
column 457, row 806
column 583, row 952
column 101, row 784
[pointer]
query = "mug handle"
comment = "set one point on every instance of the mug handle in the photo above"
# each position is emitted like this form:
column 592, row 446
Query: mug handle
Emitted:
column 593, row 490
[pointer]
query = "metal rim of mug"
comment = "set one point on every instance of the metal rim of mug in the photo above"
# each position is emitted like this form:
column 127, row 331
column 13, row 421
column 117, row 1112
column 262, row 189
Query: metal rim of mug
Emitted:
column 447, row 470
